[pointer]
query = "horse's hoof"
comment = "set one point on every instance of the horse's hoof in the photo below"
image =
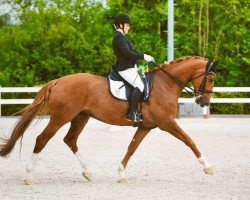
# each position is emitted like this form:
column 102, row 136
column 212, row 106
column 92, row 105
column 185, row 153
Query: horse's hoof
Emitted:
column 208, row 170
column 28, row 181
column 87, row 175
column 123, row 181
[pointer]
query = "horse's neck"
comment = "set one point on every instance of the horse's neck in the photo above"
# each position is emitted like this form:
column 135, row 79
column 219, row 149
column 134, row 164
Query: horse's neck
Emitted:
column 182, row 71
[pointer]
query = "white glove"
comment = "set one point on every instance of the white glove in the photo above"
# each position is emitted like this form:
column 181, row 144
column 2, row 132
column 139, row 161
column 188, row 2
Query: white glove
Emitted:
column 148, row 58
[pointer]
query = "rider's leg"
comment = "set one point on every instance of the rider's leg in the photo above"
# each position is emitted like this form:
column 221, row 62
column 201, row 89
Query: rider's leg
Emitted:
column 132, row 77
column 133, row 105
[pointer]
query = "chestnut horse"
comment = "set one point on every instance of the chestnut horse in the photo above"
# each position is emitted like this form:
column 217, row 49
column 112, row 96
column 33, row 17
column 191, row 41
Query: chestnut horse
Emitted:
column 75, row 98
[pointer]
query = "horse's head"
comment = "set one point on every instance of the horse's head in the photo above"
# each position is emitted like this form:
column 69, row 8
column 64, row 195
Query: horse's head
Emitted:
column 204, row 83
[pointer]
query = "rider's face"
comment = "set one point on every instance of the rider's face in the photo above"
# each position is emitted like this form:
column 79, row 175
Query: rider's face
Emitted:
column 126, row 27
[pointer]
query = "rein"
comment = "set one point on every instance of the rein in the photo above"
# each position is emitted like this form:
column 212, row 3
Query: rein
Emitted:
column 182, row 85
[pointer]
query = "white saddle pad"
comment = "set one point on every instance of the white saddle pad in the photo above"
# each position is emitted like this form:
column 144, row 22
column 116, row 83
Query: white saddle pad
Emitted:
column 118, row 89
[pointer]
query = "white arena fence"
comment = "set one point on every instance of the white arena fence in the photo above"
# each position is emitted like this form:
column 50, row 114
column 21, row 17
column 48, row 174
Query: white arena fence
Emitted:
column 181, row 100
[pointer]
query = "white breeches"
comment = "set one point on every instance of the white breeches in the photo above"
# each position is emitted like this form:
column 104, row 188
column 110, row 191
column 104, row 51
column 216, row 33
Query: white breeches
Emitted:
column 132, row 77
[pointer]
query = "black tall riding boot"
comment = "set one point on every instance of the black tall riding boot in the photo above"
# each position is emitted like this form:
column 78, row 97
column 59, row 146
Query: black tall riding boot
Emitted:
column 133, row 115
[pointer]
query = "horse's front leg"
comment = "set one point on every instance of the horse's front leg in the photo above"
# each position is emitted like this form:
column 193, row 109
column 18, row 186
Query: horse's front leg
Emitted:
column 173, row 128
column 138, row 137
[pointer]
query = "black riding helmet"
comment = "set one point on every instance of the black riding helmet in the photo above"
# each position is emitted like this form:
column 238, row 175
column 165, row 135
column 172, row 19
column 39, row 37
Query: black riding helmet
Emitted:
column 121, row 19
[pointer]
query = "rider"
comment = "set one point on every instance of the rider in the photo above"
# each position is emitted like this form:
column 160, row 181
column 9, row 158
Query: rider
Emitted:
column 126, row 63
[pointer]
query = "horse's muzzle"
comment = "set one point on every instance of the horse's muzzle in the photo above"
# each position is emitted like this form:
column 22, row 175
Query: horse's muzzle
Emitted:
column 202, row 101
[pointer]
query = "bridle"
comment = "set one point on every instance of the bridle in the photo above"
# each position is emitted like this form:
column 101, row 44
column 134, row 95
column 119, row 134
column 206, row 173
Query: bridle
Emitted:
column 202, row 89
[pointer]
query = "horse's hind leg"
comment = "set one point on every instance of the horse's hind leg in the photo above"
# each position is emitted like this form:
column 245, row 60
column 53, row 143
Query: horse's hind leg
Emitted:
column 173, row 128
column 77, row 125
column 41, row 142
column 138, row 137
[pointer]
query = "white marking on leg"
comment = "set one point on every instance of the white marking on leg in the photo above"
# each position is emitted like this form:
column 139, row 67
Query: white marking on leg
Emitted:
column 86, row 173
column 121, row 171
column 204, row 162
column 30, row 167
column 79, row 157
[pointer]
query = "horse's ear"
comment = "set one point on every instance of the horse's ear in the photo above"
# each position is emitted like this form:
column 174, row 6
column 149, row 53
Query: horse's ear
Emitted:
column 214, row 65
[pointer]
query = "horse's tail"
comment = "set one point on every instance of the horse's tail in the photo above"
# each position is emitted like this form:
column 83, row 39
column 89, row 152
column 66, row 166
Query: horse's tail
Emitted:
column 40, row 106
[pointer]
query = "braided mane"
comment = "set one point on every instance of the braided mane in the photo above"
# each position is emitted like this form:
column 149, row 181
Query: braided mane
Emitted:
column 187, row 58
column 180, row 60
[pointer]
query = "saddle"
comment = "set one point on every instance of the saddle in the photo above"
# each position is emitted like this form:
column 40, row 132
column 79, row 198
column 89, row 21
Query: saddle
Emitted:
column 122, row 90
